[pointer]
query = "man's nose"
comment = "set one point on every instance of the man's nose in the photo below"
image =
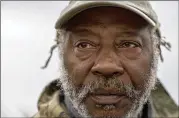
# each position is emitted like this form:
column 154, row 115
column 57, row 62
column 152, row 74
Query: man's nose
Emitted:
column 107, row 68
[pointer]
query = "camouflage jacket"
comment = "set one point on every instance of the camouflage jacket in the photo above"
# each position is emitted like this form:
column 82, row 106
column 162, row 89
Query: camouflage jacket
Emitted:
column 51, row 104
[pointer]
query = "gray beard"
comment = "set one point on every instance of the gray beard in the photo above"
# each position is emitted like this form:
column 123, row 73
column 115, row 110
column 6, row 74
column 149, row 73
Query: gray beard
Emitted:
column 73, row 98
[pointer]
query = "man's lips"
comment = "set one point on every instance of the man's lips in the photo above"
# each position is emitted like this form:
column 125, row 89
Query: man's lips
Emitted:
column 107, row 99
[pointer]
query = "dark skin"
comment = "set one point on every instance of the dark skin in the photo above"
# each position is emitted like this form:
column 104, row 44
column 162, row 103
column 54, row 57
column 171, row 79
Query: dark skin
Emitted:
column 108, row 41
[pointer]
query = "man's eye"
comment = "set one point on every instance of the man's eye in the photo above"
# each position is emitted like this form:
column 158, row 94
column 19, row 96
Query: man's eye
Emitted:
column 129, row 45
column 83, row 45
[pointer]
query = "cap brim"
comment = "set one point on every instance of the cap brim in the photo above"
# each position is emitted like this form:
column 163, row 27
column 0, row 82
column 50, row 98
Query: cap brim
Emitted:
column 80, row 6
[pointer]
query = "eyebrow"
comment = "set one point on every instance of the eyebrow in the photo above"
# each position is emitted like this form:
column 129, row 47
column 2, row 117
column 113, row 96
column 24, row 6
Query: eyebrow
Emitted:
column 126, row 30
column 85, row 30
column 128, row 33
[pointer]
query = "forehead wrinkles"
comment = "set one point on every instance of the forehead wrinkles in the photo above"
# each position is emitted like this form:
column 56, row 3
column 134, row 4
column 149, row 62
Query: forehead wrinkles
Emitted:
column 117, row 26
column 99, row 29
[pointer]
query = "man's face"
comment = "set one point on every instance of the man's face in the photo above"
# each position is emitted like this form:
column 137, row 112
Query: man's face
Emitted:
column 108, row 55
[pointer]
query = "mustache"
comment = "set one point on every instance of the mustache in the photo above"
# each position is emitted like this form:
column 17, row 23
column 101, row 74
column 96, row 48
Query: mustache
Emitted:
column 110, row 85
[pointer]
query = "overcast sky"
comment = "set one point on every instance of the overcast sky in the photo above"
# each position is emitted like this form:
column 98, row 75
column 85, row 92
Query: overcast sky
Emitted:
column 27, row 33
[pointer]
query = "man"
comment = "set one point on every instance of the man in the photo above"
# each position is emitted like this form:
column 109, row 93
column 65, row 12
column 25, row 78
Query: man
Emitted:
column 108, row 54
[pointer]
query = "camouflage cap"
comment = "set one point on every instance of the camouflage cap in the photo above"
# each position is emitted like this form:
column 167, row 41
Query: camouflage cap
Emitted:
column 142, row 8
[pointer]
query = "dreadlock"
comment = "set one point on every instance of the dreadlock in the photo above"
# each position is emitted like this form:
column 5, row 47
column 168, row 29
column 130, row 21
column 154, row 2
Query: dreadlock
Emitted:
column 53, row 47
column 161, row 40
column 165, row 44
column 50, row 56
